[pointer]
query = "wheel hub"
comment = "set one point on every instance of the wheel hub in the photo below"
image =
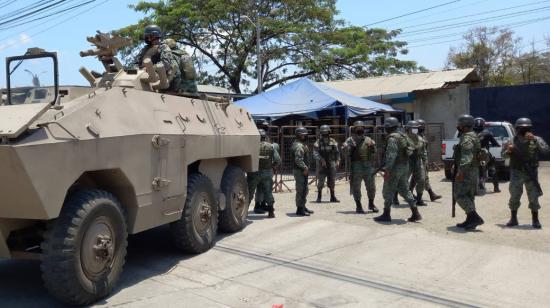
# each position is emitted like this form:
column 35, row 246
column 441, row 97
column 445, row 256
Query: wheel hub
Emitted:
column 205, row 212
column 98, row 247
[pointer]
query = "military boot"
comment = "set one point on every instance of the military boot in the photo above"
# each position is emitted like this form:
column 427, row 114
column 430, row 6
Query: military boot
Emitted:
column 419, row 200
column 301, row 211
column 536, row 222
column 333, row 198
column 308, row 210
column 359, row 207
column 319, row 196
column 385, row 217
column 433, row 196
column 258, row 209
column 415, row 215
column 495, row 187
column 465, row 222
column 372, row 207
column 270, row 210
column 476, row 220
column 513, row 219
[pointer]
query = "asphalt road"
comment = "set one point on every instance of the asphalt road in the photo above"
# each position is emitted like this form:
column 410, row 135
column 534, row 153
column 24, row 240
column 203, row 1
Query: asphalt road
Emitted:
column 334, row 258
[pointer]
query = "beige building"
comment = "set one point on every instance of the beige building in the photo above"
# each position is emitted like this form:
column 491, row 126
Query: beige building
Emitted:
column 437, row 97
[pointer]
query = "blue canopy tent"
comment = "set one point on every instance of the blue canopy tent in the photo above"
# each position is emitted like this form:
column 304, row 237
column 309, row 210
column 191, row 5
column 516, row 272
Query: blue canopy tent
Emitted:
column 310, row 99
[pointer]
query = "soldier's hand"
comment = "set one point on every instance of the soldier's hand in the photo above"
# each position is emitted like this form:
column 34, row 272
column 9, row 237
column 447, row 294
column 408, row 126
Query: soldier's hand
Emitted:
column 529, row 136
column 510, row 148
column 370, row 143
column 323, row 163
column 305, row 172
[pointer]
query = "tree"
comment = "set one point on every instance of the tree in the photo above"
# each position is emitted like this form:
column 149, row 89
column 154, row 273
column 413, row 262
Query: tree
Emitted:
column 490, row 50
column 298, row 39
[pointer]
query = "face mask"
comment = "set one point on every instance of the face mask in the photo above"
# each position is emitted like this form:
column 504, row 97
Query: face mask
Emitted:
column 421, row 130
column 359, row 132
column 523, row 131
column 414, row 131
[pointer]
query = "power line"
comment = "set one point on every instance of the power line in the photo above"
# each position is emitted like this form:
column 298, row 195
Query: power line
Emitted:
column 473, row 22
column 32, row 12
column 412, row 13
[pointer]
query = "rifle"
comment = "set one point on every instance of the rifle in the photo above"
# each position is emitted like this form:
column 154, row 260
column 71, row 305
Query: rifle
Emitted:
column 456, row 157
column 529, row 169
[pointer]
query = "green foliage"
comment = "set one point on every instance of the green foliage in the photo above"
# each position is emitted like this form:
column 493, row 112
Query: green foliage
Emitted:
column 298, row 38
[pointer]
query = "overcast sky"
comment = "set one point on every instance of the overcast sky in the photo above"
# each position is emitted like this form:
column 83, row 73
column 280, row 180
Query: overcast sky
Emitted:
column 429, row 44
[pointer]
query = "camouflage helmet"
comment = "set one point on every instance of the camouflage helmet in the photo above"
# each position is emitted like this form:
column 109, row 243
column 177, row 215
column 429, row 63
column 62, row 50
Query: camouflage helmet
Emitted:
column 300, row 131
column 421, row 123
column 324, row 130
column 152, row 31
column 465, row 120
column 412, row 124
column 262, row 123
column 479, row 124
column 391, row 122
column 359, row 124
column 523, row 122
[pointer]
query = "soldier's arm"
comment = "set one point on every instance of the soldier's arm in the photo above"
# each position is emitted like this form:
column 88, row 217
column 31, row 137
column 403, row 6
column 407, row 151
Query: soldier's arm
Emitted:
column 424, row 151
column 466, row 153
column 316, row 154
column 493, row 141
column 276, row 157
column 542, row 145
column 299, row 159
column 391, row 153
column 167, row 58
column 338, row 157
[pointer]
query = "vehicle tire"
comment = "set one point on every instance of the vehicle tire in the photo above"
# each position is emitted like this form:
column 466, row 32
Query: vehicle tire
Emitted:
column 195, row 232
column 235, row 189
column 84, row 249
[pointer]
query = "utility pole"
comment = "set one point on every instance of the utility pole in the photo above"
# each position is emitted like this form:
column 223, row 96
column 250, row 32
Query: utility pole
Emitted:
column 258, row 50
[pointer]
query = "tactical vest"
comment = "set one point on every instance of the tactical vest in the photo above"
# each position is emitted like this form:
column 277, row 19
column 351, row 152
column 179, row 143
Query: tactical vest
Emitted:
column 295, row 145
column 528, row 150
column 266, row 156
column 328, row 150
column 405, row 147
column 362, row 151
column 476, row 151
column 186, row 65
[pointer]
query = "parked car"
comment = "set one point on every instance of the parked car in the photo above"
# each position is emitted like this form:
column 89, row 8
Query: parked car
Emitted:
column 503, row 132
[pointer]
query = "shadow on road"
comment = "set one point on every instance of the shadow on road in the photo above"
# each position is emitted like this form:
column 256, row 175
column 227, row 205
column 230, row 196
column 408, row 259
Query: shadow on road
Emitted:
column 519, row 227
column 392, row 222
column 456, row 229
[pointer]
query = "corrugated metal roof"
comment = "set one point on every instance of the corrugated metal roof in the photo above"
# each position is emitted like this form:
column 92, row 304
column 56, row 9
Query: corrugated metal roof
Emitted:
column 404, row 83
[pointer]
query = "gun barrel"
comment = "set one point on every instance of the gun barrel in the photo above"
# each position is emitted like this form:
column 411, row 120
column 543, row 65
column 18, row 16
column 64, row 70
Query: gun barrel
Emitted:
column 161, row 72
column 87, row 75
column 150, row 69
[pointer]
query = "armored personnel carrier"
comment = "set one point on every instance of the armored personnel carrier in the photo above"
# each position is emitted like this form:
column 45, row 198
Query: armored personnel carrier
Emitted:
column 80, row 174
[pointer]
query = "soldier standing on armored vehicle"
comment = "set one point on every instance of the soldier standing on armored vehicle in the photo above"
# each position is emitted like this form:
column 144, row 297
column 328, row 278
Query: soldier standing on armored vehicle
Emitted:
column 362, row 151
column 299, row 153
column 263, row 178
column 396, row 171
column 524, row 151
column 417, row 169
column 186, row 81
column 327, row 154
column 466, row 170
column 487, row 168
column 159, row 52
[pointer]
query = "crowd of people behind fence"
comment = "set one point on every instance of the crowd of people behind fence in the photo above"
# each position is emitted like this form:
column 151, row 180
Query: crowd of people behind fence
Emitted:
column 404, row 167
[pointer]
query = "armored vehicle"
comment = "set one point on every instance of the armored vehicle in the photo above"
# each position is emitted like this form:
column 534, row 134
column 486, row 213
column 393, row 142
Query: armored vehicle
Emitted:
column 80, row 174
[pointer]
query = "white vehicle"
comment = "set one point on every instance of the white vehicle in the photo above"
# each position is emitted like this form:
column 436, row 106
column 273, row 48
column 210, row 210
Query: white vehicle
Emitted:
column 503, row 133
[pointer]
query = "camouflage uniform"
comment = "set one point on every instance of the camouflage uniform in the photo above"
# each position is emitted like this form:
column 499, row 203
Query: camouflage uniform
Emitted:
column 326, row 150
column 300, row 157
column 362, row 152
column 162, row 54
column 417, row 167
column 186, row 81
column 467, row 151
column 263, row 178
column 529, row 150
column 397, row 164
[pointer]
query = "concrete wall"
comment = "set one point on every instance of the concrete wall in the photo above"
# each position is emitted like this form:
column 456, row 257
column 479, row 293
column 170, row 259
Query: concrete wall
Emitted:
column 443, row 106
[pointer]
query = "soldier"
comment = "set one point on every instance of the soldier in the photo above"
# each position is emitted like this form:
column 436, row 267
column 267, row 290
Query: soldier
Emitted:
column 159, row 52
column 299, row 154
column 417, row 169
column 466, row 170
column 396, row 170
column 427, row 186
column 327, row 154
column 524, row 151
column 486, row 140
column 263, row 178
column 260, row 205
column 361, row 150
column 187, row 79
